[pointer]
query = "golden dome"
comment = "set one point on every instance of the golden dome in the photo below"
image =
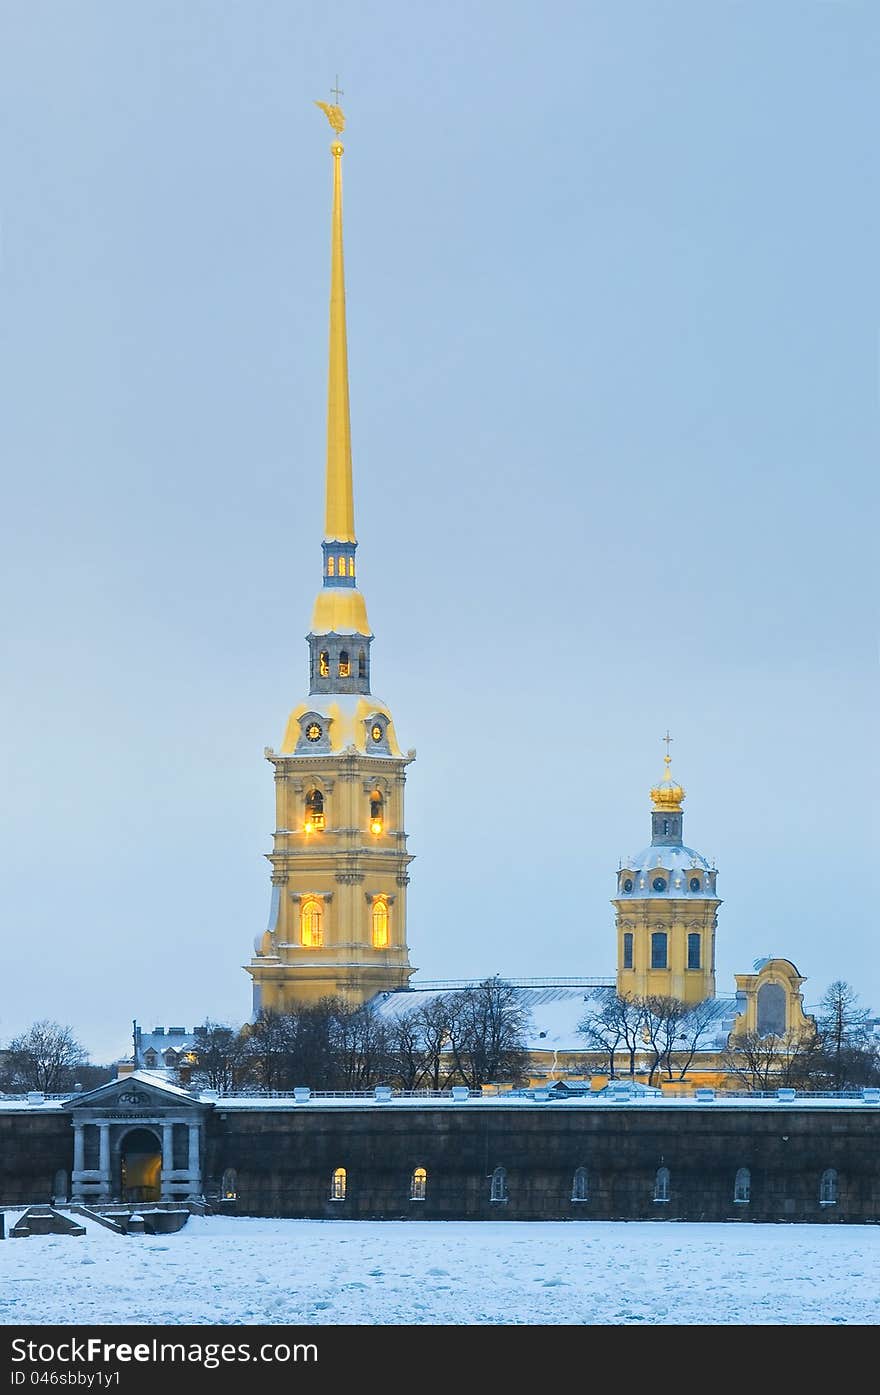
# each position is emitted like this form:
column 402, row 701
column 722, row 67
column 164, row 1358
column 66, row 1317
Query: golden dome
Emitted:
column 667, row 795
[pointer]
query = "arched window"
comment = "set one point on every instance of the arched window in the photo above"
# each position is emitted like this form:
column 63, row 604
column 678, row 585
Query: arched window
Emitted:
column 380, row 923
column 828, row 1187
column 351, row 566
column 661, row 1184
column 331, row 566
column 229, row 1190
column 580, row 1186
column 344, row 664
column 694, row 951
column 377, row 811
column 59, row 1188
column 311, row 916
column 418, row 1185
column 337, row 1185
column 771, row 1010
column 498, row 1190
column 658, row 950
column 342, row 566
column 362, row 665
column 314, row 811
column 742, row 1186
column 324, row 662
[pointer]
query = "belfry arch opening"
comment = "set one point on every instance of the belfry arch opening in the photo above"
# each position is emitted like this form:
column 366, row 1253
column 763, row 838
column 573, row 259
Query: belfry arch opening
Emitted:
column 140, row 1163
column 377, row 812
column 314, row 811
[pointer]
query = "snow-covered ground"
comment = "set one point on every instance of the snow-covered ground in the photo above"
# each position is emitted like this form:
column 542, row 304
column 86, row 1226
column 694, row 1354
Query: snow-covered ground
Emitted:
column 249, row 1271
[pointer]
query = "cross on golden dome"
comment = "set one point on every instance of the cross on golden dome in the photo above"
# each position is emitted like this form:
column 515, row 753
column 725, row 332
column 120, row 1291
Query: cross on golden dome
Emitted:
column 667, row 795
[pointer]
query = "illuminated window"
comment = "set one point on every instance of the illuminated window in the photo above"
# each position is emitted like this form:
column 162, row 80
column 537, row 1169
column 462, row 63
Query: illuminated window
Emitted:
column 331, row 566
column 337, row 1185
column 351, row 566
column 342, row 566
column 693, row 951
column 362, row 665
column 661, row 1184
column 376, row 812
column 344, row 665
column 380, row 923
column 324, row 664
column 311, row 917
column 418, row 1185
column 627, row 949
column 314, row 811
column 658, row 950
column 742, row 1186
column 580, row 1186
column 828, row 1187
column 498, row 1190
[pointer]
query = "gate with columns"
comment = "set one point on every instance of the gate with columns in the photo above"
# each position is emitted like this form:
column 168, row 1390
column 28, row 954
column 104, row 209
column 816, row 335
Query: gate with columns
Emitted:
column 102, row 1119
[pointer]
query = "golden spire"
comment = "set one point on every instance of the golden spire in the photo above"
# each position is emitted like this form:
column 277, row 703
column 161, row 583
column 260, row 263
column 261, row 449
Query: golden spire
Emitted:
column 667, row 795
column 339, row 515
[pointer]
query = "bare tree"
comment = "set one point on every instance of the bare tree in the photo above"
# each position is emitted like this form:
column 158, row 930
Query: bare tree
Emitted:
column 487, row 1034
column 662, row 1020
column 45, row 1057
column 360, row 1044
column 767, row 1062
column 696, row 1029
column 843, row 1027
column 611, row 1021
column 434, row 1022
column 269, row 1043
column 406, row 1046
column 222, row 1056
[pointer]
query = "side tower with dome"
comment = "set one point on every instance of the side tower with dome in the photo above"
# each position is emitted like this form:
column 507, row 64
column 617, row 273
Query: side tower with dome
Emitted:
column 666, row 909
column 337, row 922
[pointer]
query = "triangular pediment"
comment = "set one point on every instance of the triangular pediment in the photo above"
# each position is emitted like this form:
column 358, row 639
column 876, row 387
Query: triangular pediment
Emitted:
column 135, row 1091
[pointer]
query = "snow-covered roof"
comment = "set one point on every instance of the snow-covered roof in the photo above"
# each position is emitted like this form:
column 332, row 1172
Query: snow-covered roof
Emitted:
column 555, row 1010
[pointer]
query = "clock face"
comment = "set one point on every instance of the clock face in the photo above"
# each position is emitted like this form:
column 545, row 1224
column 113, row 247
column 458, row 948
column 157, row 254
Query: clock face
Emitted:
column 376, row 732
column 314, row 731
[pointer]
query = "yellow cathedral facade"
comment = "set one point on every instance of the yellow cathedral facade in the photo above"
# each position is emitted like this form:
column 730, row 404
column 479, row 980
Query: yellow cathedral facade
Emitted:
column 340, row 865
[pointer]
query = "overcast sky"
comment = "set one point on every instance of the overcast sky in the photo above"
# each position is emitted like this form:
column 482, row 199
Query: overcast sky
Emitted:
column 613, row 333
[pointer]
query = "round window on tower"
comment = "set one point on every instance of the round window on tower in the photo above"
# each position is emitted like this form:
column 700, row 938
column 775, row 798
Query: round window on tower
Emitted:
column 376, row 732
column 659, row 883
column 314, row 731
column 694, row 883
column 627, row 885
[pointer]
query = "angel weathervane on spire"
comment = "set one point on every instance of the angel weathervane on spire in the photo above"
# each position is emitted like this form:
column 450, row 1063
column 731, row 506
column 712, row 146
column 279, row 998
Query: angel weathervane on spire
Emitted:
column 333, row 112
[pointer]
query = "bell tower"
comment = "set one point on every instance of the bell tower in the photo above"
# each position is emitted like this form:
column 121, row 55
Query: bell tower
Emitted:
column 337, row 920
column 666, row 909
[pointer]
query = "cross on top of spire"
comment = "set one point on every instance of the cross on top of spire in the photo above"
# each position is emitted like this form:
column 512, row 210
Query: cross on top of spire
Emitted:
column 337, row 92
